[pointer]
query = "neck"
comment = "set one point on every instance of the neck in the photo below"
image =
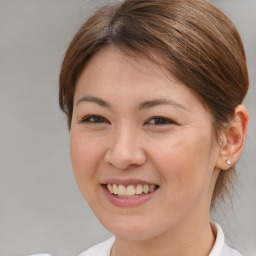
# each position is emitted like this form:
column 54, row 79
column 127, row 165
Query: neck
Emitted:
column 181, row 240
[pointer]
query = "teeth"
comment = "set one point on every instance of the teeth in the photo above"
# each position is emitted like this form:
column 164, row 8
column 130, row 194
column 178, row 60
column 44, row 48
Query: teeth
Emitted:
column 115, row 189
column 121, row 190
column 131, row 190
column 110, row 188
column 139, row 189
column 152, row 188
column 146, row 188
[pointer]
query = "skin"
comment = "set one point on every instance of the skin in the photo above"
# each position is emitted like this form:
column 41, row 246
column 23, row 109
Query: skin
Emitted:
column 178, row 152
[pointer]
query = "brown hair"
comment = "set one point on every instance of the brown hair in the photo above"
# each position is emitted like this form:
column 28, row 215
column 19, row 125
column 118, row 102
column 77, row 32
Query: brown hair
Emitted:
column 196, row 41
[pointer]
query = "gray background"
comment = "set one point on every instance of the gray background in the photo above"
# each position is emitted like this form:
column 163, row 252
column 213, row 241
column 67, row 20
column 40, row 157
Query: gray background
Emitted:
column 41, row 207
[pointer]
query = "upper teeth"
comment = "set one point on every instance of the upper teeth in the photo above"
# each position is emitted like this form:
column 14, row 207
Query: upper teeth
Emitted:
column 130, row 190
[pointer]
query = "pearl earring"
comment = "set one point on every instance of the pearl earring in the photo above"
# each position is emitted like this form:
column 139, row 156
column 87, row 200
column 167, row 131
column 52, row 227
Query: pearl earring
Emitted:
column 228, row 162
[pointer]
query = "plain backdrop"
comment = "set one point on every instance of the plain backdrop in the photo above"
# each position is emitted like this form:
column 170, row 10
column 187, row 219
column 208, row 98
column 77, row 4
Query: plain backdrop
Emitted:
column 41, row 207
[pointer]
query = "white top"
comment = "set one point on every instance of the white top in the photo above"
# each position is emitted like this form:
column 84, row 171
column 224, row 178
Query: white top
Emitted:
column 220, row 248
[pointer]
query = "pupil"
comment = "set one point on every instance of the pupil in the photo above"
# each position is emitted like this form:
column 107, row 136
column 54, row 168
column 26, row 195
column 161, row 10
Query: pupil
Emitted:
column 160, row 120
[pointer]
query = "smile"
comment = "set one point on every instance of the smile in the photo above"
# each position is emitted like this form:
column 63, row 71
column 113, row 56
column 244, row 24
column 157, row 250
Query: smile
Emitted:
column 131, row 191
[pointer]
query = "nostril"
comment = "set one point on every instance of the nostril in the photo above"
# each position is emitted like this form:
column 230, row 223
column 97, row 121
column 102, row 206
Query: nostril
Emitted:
column 125, row 158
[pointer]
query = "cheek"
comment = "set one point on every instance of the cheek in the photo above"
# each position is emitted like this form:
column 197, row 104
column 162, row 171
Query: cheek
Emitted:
column 84, row 158
column 84, row 151
column 184, row 164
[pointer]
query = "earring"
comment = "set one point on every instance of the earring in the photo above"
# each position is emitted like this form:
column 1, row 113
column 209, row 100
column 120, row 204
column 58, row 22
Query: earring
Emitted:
column 228, row 162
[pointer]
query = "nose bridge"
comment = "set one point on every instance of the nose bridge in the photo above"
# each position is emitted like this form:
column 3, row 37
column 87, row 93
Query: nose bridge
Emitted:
column 126, row 149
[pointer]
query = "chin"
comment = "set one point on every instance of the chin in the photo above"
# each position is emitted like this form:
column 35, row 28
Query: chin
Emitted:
column 126, row 228
column 133, row 233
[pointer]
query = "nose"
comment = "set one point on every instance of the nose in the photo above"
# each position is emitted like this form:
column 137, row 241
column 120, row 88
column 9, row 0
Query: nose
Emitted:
column 125, row 151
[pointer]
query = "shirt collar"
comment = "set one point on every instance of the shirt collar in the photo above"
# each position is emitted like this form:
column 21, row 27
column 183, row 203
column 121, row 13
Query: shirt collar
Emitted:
column 220, row 239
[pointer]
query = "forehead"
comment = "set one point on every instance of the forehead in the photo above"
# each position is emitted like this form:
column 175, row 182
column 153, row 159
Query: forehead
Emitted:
column 112, row 73
column 140, row 62
column 111, row 65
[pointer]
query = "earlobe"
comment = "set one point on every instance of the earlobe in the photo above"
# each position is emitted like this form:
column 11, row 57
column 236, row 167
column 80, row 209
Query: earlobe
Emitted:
column 233, row 139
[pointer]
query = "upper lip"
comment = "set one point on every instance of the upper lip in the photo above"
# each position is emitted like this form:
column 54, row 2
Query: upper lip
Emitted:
column 127, row 182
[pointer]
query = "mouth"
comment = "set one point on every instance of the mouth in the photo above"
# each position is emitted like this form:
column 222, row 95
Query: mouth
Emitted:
column 130, row 191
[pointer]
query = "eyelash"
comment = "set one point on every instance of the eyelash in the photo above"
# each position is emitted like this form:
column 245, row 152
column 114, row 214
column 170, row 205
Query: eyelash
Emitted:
column 99, row 119
column 158, row 120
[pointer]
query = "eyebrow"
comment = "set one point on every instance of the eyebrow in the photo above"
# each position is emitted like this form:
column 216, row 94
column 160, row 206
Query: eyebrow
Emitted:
column 156, row 102
column 96, row 100
column 142, row 105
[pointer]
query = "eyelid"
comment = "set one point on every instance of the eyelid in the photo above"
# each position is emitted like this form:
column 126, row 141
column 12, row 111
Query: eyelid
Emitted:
column 159, row 120
column 168, row 121
column 87, row 117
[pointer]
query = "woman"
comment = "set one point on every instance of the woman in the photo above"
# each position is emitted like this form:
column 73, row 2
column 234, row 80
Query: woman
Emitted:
column 153, row 92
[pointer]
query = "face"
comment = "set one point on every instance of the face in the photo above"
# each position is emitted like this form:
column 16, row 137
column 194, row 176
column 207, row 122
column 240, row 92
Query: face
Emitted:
column 142, row 147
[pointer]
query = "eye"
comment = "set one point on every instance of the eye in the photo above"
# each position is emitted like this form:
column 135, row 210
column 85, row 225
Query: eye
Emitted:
column 158, row 120
column 94, row 119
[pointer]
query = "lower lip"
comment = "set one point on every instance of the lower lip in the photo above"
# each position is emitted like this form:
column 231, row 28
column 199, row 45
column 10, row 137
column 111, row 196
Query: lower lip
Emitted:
column 128, row 202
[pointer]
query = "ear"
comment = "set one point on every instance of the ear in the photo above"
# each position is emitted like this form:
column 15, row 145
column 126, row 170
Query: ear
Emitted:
column 233, row 139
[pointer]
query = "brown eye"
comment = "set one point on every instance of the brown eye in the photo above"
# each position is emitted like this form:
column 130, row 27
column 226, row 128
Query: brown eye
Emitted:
column 160, row 121
column 94, row 119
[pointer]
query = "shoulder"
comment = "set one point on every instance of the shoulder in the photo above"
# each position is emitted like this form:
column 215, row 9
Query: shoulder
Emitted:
column 229, row 251
column 221, row 248
column 101, row 249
